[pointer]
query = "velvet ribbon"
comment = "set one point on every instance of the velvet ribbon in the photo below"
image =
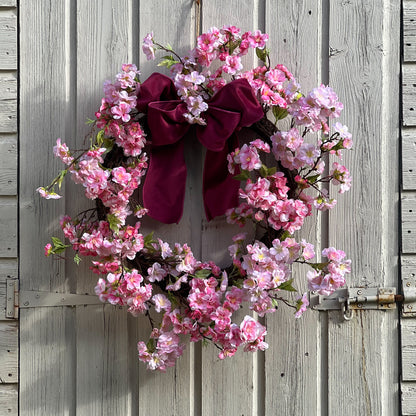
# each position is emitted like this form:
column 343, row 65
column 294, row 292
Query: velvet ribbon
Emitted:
column 233, row 107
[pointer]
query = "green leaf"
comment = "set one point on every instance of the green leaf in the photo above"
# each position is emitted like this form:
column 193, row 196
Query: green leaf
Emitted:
column 279, row 113
column 271, row 171
column 168, row 47
column 313, row 178
column 77, row 259
column 151, row 345
column 318, row 266
column 58, row 243
column 202, row 274
column 232, row 46
column 60, row 177
column 288, row 286
column 100, row 138
column 108, row 143
column 89, row 121
column 148, row 240
column 264, row 171
column 243, row 176
column 113, row 222
column 168, row 61
column 275, row 303
column 286, row 234
column 262, row 54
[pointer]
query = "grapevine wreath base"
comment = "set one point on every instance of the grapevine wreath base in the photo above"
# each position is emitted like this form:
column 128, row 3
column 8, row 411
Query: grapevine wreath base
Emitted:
column 140, row 127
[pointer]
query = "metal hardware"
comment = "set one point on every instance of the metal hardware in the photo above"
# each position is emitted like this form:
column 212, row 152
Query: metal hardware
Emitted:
column 34, row 299
column 12, row 311
column 347, row 300
column 409, row 295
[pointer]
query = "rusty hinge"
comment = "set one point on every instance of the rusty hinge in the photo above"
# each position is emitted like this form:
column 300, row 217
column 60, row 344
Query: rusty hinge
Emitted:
column 16, row 299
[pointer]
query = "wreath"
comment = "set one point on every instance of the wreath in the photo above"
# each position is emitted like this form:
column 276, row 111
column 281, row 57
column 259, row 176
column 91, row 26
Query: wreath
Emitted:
column 274, row 181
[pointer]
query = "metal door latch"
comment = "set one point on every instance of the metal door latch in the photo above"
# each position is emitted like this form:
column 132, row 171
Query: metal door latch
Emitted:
column 347, row 300
column 16, row 299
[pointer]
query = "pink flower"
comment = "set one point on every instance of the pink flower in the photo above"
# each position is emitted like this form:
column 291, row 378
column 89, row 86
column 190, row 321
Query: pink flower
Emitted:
column 121, row 111
column 149, row 47
column 47, row 194
column 48, row 249
column 301, row 305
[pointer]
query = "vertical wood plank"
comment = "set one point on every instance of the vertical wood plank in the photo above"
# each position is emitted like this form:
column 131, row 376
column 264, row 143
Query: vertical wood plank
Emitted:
column 46, row 334
column 364, row 70
column 104, row 34
column 176, row 26
column 292, row 363
column 236, row 377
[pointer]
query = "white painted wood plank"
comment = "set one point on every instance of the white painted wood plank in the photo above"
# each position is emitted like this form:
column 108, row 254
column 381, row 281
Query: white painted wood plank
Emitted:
column 408, row 222
column 47, row 335
column 8, row 116
column 235, row 377
column 8, row 269
column 409, row 94
column 8, row 86
column 9, row 352
column 8, row 165
column 409, row 159
column 7, row 3
column 174, row 24
column 408, row 398
column 8, row 42
column 293, row 360
column 8, row 227
column 409, row 31
column 104, row 42
column 362, row 354
column 102, row 362
column 408, row 337
column 9, row 399
column 47, row 356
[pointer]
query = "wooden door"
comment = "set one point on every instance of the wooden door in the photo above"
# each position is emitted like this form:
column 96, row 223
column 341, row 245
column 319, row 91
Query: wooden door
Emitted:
column 83, row 360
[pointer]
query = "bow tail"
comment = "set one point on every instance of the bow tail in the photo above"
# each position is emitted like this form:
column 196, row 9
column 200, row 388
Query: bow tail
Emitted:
column 164, row 187
column 220, row 188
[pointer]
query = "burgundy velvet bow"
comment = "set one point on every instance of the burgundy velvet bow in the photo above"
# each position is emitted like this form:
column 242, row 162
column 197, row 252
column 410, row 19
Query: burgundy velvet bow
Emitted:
column 233, row 107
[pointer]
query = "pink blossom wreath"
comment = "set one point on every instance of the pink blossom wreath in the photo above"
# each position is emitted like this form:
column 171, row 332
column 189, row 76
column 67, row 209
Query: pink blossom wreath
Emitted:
column 150, row 276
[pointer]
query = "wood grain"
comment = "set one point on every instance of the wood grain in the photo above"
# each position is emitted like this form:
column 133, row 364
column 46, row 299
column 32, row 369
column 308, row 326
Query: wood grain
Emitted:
column 236, row 377
column 409, row 159
column 9, row 352
column 364, row 70
column 294, row 367
column 8, row 227
column 409, row 94
column 408, row 206
column 8, row 42
column 47, row 335
column 8, row 165
column 409, row 31
column 9, row 399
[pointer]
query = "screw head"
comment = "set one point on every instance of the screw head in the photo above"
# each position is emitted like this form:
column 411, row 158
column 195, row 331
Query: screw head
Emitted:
column 408, row 284
column 359, row 305
column 359, row 292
